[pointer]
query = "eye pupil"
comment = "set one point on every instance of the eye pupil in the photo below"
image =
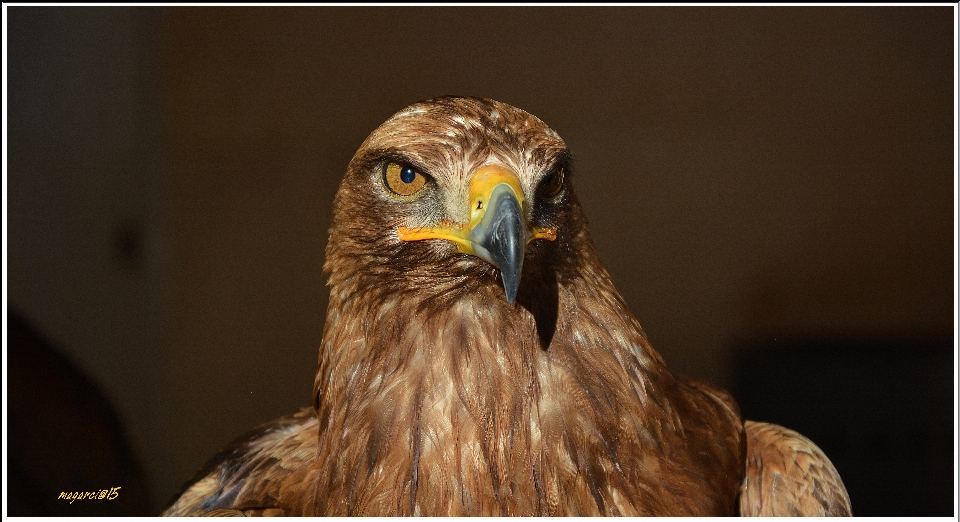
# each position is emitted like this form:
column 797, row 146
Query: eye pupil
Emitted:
column 407, row 175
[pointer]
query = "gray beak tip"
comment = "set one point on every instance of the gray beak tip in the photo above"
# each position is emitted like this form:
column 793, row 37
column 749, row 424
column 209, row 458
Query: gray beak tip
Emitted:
column 510, row 286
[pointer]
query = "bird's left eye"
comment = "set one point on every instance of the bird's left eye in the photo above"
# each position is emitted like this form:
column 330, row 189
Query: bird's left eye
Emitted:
column 402, row 180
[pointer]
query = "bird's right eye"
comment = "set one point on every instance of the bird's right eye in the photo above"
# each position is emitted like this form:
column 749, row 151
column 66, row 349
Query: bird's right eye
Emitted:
column 552, row 185
column 402, row 180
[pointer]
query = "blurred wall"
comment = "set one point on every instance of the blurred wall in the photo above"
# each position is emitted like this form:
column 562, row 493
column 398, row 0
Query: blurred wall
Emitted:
column 85, row 185
column 747, row 172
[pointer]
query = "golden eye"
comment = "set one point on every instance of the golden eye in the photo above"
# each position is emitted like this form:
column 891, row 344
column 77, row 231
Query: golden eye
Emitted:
column 402, row 180
column 552, row 185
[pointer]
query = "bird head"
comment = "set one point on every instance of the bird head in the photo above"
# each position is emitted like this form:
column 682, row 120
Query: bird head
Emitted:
column 455, row 192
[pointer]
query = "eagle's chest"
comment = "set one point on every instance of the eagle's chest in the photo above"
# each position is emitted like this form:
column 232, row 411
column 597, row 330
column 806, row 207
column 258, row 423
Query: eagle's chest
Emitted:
column 470, row 415
column 519, row 447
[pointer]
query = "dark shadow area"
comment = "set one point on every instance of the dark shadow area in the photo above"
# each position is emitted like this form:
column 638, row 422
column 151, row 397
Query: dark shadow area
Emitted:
column 538, row 294
column 63, row 436
column 882, row 411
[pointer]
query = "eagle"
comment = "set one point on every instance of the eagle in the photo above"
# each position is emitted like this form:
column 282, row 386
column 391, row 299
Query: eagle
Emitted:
column 478, row 360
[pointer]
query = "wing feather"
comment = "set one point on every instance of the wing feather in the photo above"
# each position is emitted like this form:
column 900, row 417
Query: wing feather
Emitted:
column 788, row 475
column 259, row 473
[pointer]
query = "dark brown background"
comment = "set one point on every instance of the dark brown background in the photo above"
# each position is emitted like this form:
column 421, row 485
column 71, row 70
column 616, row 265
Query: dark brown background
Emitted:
column 749, row 173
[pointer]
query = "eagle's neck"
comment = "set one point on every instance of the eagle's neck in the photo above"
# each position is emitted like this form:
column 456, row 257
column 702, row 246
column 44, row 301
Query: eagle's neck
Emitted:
column 475, row 406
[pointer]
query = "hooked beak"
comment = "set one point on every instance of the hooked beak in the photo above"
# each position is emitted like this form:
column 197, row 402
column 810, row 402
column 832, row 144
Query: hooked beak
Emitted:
column 497, row 231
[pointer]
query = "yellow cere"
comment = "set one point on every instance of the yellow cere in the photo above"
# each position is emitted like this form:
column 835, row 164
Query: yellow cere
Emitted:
column 482, row 184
